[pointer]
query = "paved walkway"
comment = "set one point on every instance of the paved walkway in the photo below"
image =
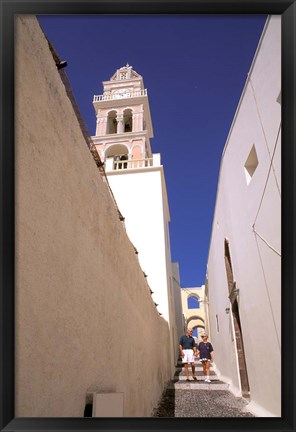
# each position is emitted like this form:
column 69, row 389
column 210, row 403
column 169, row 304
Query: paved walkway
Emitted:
column 200, row 399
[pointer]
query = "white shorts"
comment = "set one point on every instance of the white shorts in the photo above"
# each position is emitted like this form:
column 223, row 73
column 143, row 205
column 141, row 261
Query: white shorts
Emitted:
column 188, row 356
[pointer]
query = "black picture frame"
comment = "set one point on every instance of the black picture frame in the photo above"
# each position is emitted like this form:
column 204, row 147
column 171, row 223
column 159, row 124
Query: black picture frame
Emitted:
column 287, row 9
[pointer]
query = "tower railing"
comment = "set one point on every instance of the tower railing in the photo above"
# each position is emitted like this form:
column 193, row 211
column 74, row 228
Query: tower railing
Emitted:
column 106, row 97
column 122, row 162
column 132, row 163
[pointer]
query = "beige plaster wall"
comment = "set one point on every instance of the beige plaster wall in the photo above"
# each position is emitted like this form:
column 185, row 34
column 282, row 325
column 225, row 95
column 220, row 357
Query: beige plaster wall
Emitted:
column 137, row 152
column 85, row 320
column 195, row 317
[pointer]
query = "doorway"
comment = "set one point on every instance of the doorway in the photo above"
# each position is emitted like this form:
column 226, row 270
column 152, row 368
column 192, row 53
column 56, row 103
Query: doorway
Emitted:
column 233, row 292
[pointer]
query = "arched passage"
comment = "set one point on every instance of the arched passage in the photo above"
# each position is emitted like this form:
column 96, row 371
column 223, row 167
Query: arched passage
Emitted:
column 195, row 318
column 197, row 323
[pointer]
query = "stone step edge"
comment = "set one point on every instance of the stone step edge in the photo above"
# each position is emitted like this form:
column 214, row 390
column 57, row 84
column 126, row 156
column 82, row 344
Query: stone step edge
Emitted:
column 199, row 378
column 198, row 370
column 196, row 363
column 198, row 386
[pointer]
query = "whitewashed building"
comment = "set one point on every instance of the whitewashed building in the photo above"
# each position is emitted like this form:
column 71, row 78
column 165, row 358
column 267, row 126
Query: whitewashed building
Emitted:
column 244, row 262
column 136, row 177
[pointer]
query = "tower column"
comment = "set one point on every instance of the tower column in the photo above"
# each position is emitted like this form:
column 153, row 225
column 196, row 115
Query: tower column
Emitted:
column 140, row 121
column 98, row 126
column 101, row 125
column 120, row 127
column 104, row 125
column 135, row 122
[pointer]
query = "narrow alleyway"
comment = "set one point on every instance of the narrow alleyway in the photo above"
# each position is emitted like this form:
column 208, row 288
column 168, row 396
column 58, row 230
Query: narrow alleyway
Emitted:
column 199, row 399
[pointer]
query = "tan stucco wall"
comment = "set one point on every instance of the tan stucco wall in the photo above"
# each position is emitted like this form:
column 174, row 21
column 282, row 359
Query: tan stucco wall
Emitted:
column 85, row 319
column 195, row 317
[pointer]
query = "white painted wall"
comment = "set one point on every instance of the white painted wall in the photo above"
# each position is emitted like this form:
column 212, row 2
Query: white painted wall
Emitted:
column 142, row 199
column 139, row 196
column 256, row 259
column 180, row 321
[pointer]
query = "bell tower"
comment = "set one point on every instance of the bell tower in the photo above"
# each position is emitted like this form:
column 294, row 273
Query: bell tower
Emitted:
column 123, row 128
column 136, row 177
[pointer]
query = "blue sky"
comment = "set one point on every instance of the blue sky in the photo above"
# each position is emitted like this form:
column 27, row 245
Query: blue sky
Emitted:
column 195, row 68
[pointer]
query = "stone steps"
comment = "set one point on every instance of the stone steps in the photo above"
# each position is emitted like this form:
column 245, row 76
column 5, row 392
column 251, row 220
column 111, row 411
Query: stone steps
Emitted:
column 180, row 398
column 182, row 377
column 198, row 372
column 198, row 385
column 179, row 382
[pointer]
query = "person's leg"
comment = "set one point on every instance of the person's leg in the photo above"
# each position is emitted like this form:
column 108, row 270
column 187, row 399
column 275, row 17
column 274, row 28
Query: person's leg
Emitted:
column 186, row 370
column 204, row 369
column 193, row 369
column 208, row 371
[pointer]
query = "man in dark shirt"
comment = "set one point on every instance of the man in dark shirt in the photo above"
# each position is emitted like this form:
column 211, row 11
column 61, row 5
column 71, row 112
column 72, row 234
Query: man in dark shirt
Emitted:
column 188, row 351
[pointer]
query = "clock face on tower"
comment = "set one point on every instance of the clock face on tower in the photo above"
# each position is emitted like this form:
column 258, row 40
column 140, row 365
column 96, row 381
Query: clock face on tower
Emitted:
column 121, row 94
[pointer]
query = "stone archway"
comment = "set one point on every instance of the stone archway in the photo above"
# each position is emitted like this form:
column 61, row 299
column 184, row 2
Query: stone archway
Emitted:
column 196, row 323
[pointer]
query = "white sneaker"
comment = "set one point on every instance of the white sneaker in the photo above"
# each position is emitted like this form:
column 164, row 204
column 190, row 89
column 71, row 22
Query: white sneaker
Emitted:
column 208, row 380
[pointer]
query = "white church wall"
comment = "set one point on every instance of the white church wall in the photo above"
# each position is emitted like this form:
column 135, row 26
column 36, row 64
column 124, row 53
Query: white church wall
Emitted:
column 142, row 200
column 139, row 198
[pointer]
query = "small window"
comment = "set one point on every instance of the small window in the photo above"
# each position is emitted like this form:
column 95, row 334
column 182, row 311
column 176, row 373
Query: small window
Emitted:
column 123, row 75
column 251, row 164
column 193, row 302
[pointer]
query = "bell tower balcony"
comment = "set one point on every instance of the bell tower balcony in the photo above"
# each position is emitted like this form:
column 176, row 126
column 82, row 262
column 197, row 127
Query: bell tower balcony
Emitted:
column 125, row 94
column 124, row 163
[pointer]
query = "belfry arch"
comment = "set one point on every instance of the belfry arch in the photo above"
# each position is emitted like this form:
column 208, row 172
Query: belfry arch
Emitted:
column 128, row 120
column 119, row 154
column 111, row 122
